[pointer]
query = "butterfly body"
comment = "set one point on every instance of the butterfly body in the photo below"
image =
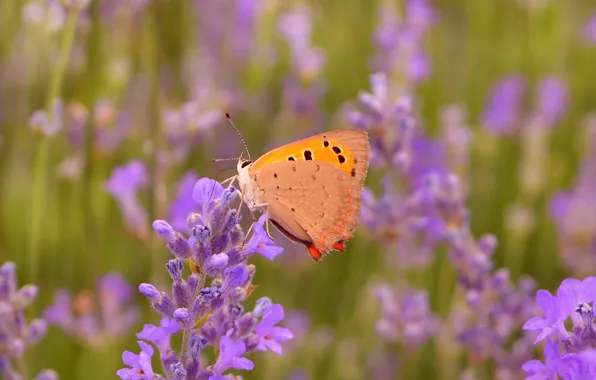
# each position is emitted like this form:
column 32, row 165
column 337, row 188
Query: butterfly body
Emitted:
column 311, row 188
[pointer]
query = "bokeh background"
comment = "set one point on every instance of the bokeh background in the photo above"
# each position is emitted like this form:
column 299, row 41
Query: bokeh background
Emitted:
column 502, row 92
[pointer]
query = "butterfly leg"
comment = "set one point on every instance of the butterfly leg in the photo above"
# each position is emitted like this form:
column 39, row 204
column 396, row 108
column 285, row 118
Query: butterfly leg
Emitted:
column 266, row 206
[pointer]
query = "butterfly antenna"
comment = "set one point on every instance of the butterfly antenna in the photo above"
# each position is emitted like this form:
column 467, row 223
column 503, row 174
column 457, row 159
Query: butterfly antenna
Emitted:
column 224, row 159
column 239, row 134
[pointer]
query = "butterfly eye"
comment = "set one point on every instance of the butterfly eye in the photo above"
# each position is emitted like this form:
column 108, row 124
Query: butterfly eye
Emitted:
column 245, row 164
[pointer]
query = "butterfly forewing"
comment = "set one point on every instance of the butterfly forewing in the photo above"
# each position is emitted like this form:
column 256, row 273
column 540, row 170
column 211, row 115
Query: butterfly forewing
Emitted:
column 345, row 149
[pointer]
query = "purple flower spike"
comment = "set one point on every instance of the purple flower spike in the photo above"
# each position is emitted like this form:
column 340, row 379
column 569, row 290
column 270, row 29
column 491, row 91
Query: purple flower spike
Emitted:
column 552, row 100
column 17, row 335
column 124, row 185
column 589, row 31
column 230, row 356
column 48, row 125
column 140, row 364
column 270, row 335
column 504, row 107
column 204, row 311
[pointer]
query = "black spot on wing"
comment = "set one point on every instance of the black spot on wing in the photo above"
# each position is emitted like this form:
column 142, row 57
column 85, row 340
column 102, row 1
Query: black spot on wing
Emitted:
column 336, row 150
column 291, row 158
column 325, row 143
column 307, row 155
column 353, row 172
column 341, row 159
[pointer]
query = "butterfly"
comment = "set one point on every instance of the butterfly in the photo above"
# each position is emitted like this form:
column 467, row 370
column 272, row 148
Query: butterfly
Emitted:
column 311, row 189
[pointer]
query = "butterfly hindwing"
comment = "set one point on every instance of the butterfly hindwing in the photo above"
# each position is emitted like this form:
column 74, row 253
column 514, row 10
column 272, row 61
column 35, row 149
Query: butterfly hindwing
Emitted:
column 314, row 202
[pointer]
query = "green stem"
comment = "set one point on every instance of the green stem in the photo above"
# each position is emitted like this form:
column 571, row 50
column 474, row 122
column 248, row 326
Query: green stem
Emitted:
column 42, row 149
column 188, row 332
column 94, row 76
column 153, row 63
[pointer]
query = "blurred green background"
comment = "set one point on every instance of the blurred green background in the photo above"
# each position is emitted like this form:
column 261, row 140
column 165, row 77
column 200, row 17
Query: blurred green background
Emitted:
column 66, row 232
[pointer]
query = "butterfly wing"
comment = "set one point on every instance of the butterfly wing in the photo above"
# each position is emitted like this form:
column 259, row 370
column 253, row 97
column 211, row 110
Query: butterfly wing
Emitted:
column 346, row 149
column 312, row 202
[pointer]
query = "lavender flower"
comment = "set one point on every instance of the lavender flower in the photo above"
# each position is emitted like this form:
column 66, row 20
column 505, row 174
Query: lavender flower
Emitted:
column 50, row 124
column 551, row 100
column 16, row 334
column 399, row 42
column 574, row 212
column 504, row 109
column 95, row 320
column 123, row 185
column 589, row 30
column 406, row 318
column 568, row 352
column 213, row 314
column 109, row 125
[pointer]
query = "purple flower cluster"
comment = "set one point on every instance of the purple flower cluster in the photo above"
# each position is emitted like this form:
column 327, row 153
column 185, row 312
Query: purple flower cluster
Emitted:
column 124, row 185
column 109, row 125
column 209, row 314
column 95, row 320
column 568, row 331
column 303, row 88
column 422, row 206
column 399, row 41
column 504, row 114
column 16, row 334
column 574, row 213
column 405, row 318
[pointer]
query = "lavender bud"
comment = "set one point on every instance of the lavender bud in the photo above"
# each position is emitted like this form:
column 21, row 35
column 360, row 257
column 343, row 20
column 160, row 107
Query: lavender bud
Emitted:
column 194, row 220
column 178, row 371
column 209, row 331
column 251, row 342
column 261, row 306
column 149, row 291
column 8, row 283
column 219, row 243
column 228, row 196
column 47, row 374
column 215, row 264
column 193, row 281
column 488, row 244
column 181, row 293
column 233, row 218
column 25, row 297
column 197, row 344
column 202, row 233
column 175, row 268
column 236, row 236
column 165, row 306
column 246, row 324
column 15, row 347
column 36, row 330
column 217, row 218
column 237, row 294
column 179, row 247
column 182, row 316
column 164, row 230
column 371, row 104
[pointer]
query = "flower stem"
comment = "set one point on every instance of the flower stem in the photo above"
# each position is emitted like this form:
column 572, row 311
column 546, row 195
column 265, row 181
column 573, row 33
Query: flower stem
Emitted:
column 42, row 149
column 188, row 331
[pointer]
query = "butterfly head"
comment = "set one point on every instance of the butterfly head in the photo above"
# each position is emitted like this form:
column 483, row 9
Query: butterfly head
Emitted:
column 243, row 165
